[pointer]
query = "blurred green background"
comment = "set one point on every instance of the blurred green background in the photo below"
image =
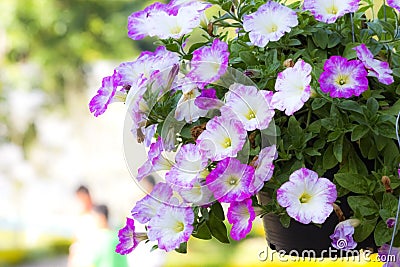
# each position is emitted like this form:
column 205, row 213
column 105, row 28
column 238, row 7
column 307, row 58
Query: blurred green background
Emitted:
column 53, row 54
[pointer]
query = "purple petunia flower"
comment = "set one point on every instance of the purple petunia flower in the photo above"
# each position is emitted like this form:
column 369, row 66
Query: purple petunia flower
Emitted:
column 165, row 21
column 208, row 100
column 189, row 167
column 148, row 207
column 250, row 105
column 186, row 108
column 394, row 4
column 155, row 162
column 241, row 215
column 99, row 103
column 230, row 181
column 171, row 227
column 209, row 63
column 330, row 11
column 128, row 238
column 392, row 260
column 306, row 197
column 264, row 167
column 390, row 222
column 292, row 88
column 376, row 68
column 198, row 194
column 343, row 78
column 224, row 137
column 342, row 238
column 269, row 23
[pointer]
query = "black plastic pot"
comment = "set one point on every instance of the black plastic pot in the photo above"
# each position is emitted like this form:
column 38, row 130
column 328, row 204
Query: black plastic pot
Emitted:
column 300, row 237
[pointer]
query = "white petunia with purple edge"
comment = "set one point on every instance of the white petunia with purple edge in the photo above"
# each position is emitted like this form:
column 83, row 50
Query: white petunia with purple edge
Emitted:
column 330, row 11
column 241, row 215
column 269, row 23
column 172, row 226
column 292, row 88
column 306, row 197
column 128, row 238
column 99, row 103
column 250, row 105
column 230, row 181
column 224, row 137
column 264, row 168
column 343, row 78
column 148, row 207
column 375, row 67
column 189, row 167
column 394, row 4
column 209, row 63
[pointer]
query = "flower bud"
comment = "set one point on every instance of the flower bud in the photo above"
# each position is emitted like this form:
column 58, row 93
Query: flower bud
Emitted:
column 390, row 222
column 386, row 183
column 288, row 63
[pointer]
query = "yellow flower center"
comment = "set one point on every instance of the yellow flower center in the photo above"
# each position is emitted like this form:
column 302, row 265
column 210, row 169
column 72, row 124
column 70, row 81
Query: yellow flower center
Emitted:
column 272, row 28
column 227, row 142
column 305, row 198
column 179, row 227
column 176, row 30
column 342, row 79
column 250, row 115
column 332, row 10
column 232, row 180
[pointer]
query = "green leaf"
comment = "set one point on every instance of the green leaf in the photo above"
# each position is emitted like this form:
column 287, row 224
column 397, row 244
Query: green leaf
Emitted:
column 382, row 233
column 320, row 38
column 350, row 105
column 364, row 204
column 248, row 58
column 354, row 182
column 182, row 248
column 333, row 136
column 174, row 47
column 389, row 203
column 203, row 232
column 349, row 52
column 338, row 148
column 359, row 132
column 218, row 229
column 285, row 220
column 386, row 129
column 372, row 105
column 153, row 248
column 329, row 159
column 227, row 6
column 217, row 210
column 365, row 228
column 334, row 39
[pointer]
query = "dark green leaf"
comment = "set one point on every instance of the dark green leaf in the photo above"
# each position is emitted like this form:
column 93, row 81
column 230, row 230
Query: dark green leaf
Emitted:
column 248, row 58
column 182, row 248
column 372, row 105
column 359, row 132
column 354, row 182
column 351, row 106
column 153, row 248
column 285, row 220
column 217, row 210
column 329, row 159
column 365, row 228
column 218, row 229
column 364, row 204
column 338, row 148
column 203, row 232
column 382, row 233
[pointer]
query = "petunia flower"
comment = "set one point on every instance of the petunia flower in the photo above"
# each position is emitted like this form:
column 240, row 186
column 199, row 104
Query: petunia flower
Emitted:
column 165, row 21
column 394, row 4
column 292, row 88
column 230, row 181
column 241, row 215
column 224, row 137
column 99, row 103
column 208, row 100
column 155, row 162
column 198, row 194
column 128, row 238
column 149, row 206
column 172, row 226
column 376, row 68
column 264, row 168
column 209, row 63
column 269, row 23
column 189, row 167
column 250, row 105
column 306, row 197
column 186, row 108
column 390, row 222
column 330, row 11
column 342, row 238
column 343, row 78
column 392, row 259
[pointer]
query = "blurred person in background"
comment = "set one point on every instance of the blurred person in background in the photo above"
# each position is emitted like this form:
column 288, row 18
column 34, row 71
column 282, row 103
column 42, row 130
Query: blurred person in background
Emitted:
column 105, row 241
column 85, row 229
